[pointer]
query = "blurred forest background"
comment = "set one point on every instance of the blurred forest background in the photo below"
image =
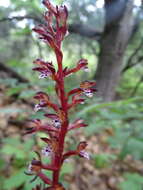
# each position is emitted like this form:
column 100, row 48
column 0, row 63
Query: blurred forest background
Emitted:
column 110, row 35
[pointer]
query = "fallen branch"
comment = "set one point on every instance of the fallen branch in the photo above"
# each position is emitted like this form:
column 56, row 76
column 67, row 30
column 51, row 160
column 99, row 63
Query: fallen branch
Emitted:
column 11, row 73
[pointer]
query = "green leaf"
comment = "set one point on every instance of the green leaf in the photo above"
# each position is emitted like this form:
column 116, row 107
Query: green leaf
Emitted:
column 16, row 89
column 16, row 180
column 27, row 94
column 12, row 150
column 59, row 1
column 67, row 168
column 9, row 81
column 132, row 182
column 39, row 115
column 96, row 106
column 29, row 186
column 135, row 148
column 28, row 144
column 24, row 31
column 2, row 163
column 134, row 177
column 103, row 160
column 12, row 141
column 9, row 110
column 130, row 185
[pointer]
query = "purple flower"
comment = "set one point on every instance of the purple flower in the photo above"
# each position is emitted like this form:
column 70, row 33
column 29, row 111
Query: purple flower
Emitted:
column 47, row 151
column 84, row 154
column 44, row 74
column 56, row 123
column 37, row 107
column 88, row 93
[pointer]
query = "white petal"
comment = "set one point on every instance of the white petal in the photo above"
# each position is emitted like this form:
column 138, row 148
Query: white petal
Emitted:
column 30, row 168
column 47, row 151
column 84, row 154
column 57, row 123
column 88, row 93
column 37, row 107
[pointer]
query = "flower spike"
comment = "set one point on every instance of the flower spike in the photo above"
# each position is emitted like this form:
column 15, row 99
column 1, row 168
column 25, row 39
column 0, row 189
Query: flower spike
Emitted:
column 56, row 128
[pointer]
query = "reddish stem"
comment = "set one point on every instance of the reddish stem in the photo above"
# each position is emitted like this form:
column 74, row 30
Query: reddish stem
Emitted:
column 57, row 161
column 54, row 36
column 44, row 178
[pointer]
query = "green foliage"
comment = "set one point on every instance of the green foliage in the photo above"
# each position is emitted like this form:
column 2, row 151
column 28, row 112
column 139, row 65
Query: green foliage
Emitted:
column 16, row 180
column 16, row 89
column 103, row 160
column 21, row 153
column 8, row 82
column 129, row 138
column 124, row 118
column 67, row 168
column 15, row 147
column 133, row 181
column 9, row 110
column 114, row 105
column 2, row 163
column 25, row 94
column 28, row 5
column 59, row 1
column 39, row 115
column 21, row 32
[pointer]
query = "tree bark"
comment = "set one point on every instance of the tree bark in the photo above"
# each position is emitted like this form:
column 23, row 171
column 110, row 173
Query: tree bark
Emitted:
column 117, row 32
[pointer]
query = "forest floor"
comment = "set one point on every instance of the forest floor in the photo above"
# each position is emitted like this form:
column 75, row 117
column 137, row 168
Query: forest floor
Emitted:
column 88, row 174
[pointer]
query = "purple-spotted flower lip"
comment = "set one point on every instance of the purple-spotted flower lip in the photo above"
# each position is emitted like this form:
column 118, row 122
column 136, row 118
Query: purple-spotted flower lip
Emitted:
column 30, row 168
column 44, row 74
column 40, row 105
column 47, row 151
column 84, row 154
column 55, row 120
column 46, row 69
column 86, row 69
column 82, row 102
column 37, row 107
column 56, row 123
column 88, row 93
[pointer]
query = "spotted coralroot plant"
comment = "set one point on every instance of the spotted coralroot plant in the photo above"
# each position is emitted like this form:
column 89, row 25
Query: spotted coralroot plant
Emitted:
column 52, row 33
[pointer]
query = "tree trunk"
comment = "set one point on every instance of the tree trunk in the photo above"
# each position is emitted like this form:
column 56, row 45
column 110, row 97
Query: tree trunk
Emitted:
column 118, row 29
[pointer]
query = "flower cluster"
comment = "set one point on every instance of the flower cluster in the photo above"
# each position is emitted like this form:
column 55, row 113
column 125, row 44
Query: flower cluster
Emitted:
column 53, row 33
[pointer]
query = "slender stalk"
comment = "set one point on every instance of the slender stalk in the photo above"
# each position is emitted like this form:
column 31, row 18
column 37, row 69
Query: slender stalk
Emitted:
column 63, row 131
column 57, row 131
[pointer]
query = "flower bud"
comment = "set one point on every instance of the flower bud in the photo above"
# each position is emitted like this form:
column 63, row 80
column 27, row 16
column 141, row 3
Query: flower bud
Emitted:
column 62, row 13
column 34, row 166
